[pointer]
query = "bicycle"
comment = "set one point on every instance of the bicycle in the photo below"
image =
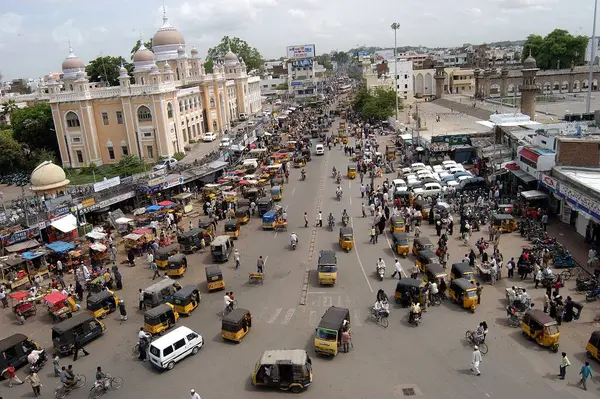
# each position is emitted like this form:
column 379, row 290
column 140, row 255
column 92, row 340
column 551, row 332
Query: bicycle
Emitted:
column 63, row 390
column 136, row 348
column 379, row 318
column 228, row 309
column 100, row 387
column 470, row 336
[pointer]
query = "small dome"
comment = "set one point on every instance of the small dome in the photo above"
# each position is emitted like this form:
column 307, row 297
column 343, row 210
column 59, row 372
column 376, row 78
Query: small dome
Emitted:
column 181, row 51
column 194, row 52
column 168, row 67
column 48, row 176
column 143, row 54
column 167, row 35
column 230, row 56
column 72, row 62
column 51, row 78
column 529, row 63
column 154, row 68
column 122, row 70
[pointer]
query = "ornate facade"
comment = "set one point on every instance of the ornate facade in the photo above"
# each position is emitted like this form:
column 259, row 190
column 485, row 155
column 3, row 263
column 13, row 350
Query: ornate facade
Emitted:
column 169, row 101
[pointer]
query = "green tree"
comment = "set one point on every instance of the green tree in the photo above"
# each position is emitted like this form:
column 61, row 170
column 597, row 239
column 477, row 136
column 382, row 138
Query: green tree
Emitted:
column 250, row 55
column 355, row 72
column 325, row 60
column 34, row 126
column 559, row 49
column 137, row 46
column 8, row 107
column 340, row 57
column 106, row 69
column 375, row 105
column 12, row 153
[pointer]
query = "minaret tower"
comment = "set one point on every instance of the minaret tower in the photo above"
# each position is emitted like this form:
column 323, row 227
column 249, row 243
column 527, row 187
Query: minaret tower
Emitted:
column 529, row 89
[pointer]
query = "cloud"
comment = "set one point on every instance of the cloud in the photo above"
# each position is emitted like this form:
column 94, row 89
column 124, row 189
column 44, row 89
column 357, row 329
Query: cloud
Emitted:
column 220, row 15
column 66, row 32
column 473, row 12
column 522, row 5
column 296, row 13
column 432, row 16
column 10, row 23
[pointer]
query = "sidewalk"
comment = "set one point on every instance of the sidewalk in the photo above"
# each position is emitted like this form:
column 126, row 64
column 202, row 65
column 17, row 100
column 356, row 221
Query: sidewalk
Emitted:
column 568, row 237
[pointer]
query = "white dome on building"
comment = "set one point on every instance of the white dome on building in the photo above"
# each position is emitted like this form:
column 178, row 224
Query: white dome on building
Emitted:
column 167, row 41
column 143, row 54
column 72, row 62
column 48, row 176
column 231, row 59
column 194, row 52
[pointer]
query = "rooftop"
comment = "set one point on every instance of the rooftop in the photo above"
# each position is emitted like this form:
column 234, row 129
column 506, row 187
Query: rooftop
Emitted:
column 587, row 177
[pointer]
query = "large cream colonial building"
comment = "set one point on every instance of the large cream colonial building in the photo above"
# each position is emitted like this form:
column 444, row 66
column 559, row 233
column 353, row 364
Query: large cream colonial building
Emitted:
column 168, row 101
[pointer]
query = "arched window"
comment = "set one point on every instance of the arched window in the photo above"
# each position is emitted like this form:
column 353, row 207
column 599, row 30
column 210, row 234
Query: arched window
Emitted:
column 144, row 114
column 72, row 120
column 169, row 110
column 142, row 80
column 212, row 102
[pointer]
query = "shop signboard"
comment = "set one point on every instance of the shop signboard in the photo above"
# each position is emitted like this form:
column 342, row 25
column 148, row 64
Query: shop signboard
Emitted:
column 304, row 63
column 110, row 201
column 548, row 181
column 106, row 184
column 157, row 181
column 579, row 200
column 127, row 180
column 59, row 212
column 172, row 182
column 302, row 51
column 22, row 235
column 86, row 203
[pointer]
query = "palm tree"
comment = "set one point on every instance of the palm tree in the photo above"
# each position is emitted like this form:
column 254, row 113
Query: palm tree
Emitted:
column 8, row 108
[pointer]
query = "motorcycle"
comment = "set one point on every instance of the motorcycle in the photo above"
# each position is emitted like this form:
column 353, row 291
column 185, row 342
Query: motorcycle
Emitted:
column 40, row 363
column 303, row 176
column 593, row 294
column 338, row 195
column 345, row 221
column 415, row 320
column 338, row 179
column 331, row 223
column 586, row 283
column 381, row 272
column 294, row 243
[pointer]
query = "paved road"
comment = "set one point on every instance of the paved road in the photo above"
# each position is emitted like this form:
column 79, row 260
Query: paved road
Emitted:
column 432, row 359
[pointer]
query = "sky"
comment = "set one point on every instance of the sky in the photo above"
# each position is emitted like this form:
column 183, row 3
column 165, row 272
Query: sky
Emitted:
column 35, row 34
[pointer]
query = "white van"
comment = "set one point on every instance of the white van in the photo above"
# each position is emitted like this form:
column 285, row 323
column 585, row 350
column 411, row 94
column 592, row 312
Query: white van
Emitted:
column 173, row 347
column 319, row 149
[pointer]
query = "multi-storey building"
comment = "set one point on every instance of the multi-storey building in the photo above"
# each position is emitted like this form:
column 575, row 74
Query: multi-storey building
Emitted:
column 168, row 102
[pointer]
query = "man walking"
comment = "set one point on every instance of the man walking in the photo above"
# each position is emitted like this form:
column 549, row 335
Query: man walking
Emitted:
column 141, row 300
column 260, row 264
column 154, row 268
column 305, row 220
column 544, row 221
column 564, row 363
column 78, row 347
column 476, row 359
column 397, row 269
column 150, row 258
column 478, row 290
column 320, row 219
column 586, row 372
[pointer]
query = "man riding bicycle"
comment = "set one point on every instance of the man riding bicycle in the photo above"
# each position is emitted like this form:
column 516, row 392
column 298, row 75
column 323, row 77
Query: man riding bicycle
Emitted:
column 381, row 308
column 102, row 378
column 228, row 303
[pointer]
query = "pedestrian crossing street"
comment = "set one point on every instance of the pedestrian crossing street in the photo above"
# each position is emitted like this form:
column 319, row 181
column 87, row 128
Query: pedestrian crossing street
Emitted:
column 310, row 314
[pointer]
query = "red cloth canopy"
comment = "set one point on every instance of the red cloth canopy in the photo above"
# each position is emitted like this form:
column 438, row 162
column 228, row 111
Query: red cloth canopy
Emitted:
column 166, row 203
column 55, row 298
column 20, row 295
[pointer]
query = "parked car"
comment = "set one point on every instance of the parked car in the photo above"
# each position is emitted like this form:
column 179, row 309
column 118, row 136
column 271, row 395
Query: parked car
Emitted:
column 209, row 136
column 165, row 163
column 399, row 185
column 429, row 190
column 225, row 142
column 243, row 116
column 251, row 123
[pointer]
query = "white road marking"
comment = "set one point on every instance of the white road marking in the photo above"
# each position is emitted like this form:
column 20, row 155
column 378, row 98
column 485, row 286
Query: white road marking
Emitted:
column 358, row 258
column 350, row 199
column 349, row 184
column 390, row 245
column 288, row 316
column 313, row 318
column 274, row 316
column 293, row 191
column 318, row 292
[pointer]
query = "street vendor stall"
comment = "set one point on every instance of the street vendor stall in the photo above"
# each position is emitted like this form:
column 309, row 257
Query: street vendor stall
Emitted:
column 98, row 254
column 63, row 229
column 60, row 306
column 124, row 225
column 23, row 304
column 185, row 201
column 67, row 253
column 14, row 273
column 37, row 265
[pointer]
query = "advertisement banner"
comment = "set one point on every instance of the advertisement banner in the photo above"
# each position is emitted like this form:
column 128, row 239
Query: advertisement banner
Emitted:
column 548, row 181
column 580, row 200
column 306, row 63
column 59, row 211
column 295, row 84
column 86, row 203
column 157, row 181
column 176, row 181
column 23, row 235
column 109, row 202
column 106, row 184
column 303, row 51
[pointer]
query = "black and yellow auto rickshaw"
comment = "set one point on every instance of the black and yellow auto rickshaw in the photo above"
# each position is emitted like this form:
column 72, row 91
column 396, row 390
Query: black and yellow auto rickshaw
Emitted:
column 214, row 278
column 464, row 293
column 346, row 239
column 236, row 325
column 504, row 223
column 541, row 328
column 232, row 228
column 208, row 230
column 408, row 290
column 306, row 154
column 299, row 161
column 277, row 181
column 593, row 346
column 160, row 292
column 221, row 248
column 242, row 214
column 402, row 198
column 264, row 205
column 162, row 255
column 186, row 300
column 424, row 258
column 397, row 224
column 250, row 194
column 177, row 265
column 328, row 335
column 351, row 171
column 82, row 327
column 15, row 349
column 159, row 319
column 421, row 244
column 189, row 241
column 400, row 244
column 285, row 369
column 390, row 152
column 462, row 270
column 277, row 193
column 434, row 272
column 102, row 303
column 423, row 207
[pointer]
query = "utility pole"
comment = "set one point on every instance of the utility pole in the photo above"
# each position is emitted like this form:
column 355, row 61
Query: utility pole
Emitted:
column 395, row 26
column 592, row 58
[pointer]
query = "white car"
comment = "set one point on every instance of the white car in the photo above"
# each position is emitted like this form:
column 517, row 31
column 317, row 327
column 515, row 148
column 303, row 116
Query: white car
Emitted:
column 209, row 136
column 438, row 169
column 399, row 185
column 429, row 190
column 250, row 123
column 277, row 102
column 165, row 163
column 225, row 142
column 319, row 149
column 448, row 164
column 417, row 166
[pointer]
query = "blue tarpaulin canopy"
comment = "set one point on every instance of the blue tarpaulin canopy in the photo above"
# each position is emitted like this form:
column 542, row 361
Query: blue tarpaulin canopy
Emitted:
column 60, row 246
column 153, row 208
column 32, row 255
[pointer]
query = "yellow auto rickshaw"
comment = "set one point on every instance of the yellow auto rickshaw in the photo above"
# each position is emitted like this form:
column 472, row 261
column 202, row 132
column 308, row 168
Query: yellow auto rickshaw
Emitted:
column 397, row 224
column 159, row 319
column 421, row 244
column 464, row 293
column 177, row 265
column 504, row 223
column 210, row 192
column 232, row 228
column 541, row 328
column 242, row 214
column 462, row 270
column 328, row 335
column 236, row 325
column 346, row 239
column 351, row 171
column 434, row 272
column 277, row 193
column 390, row 152
column 214, row 278
column 102, row 303
column 593, row 345
column 423, row 207
column 407, row 290
column 400, row 243
column 424, row 258
column 186, row 300
column 163, row 254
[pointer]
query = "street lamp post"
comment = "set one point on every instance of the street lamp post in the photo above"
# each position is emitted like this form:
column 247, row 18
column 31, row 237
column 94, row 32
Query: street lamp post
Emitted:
column 395, row 26
column 592, row 57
